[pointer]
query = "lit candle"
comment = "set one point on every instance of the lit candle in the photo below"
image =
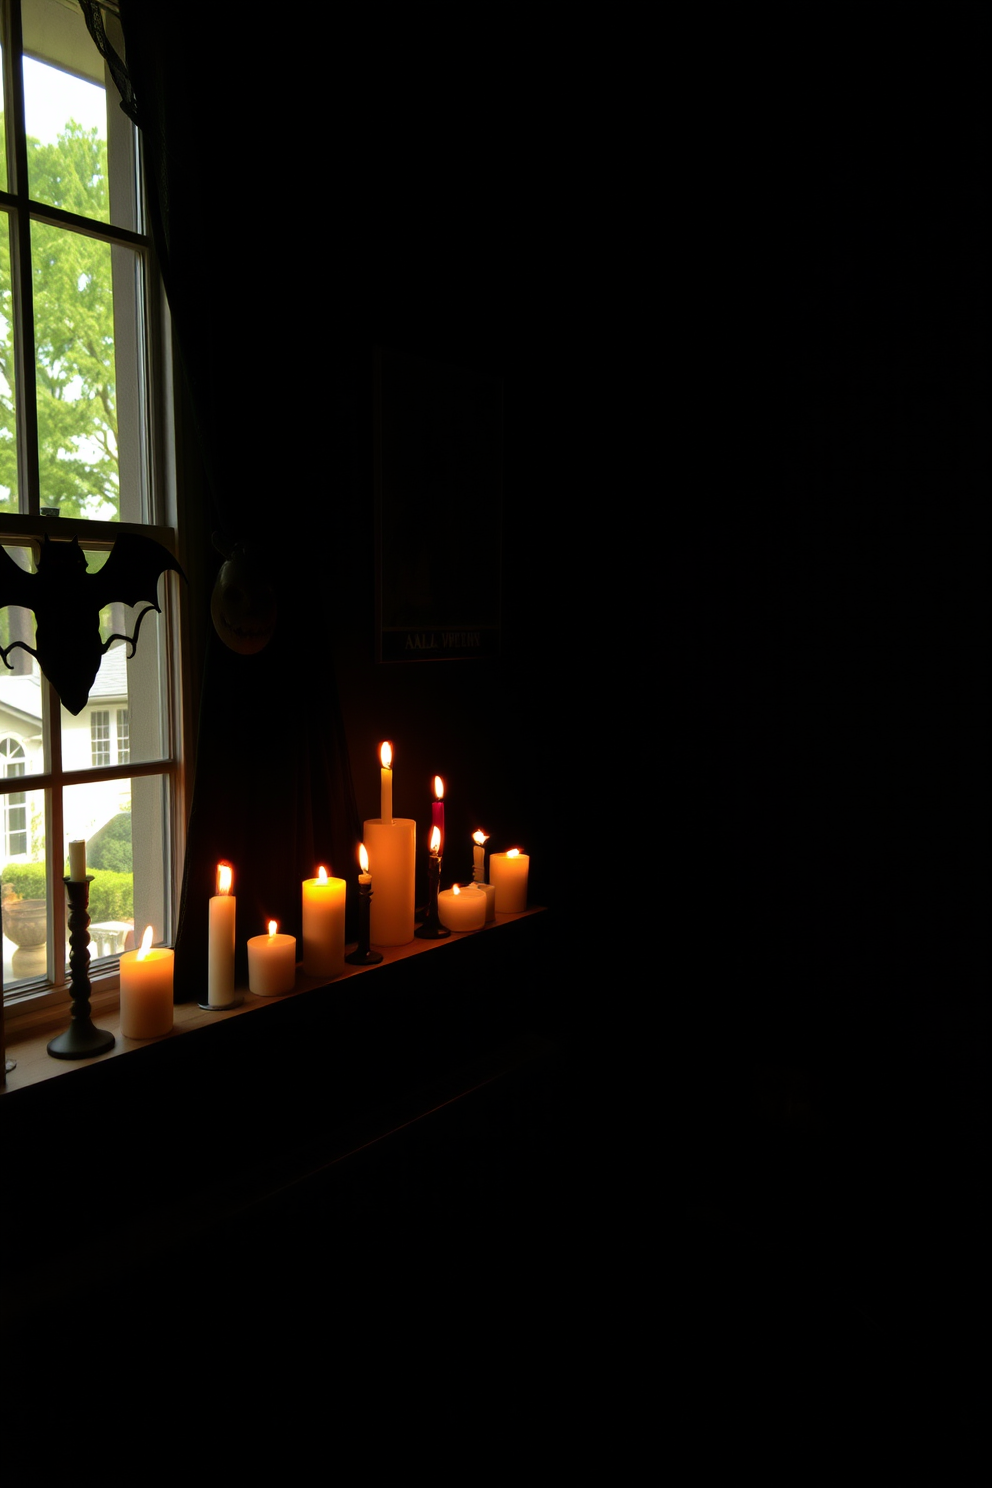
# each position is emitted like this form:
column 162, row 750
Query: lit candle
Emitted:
column 437, row 806
column 271, row 963
column 220, row 967
column 146, row 990
column 323, row 925
column 435, row 842
column 508, row 874
column 462, row 909
column 365, row 877
column 77, row 862
column 479, row 855
column 386, row 782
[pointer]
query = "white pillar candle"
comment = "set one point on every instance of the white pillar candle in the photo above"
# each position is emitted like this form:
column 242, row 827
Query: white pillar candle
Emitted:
column 480, row 838
column 462, row 909
column 392, row 847
column 508, row 875
column 146, row 990
column 220, row 963
column 386, row 782
column 490, row 893
column 323, row 925
column 271, row 963
column 77, row 862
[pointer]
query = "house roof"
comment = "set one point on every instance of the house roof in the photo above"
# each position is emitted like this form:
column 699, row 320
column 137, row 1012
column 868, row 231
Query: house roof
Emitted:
column 22, row 694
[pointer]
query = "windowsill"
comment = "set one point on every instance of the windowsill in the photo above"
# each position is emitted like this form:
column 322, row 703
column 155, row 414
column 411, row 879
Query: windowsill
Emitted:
column 28, row 1046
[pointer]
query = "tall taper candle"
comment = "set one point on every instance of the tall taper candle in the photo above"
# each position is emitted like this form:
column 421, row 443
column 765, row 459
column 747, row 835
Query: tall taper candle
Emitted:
column 386, row 782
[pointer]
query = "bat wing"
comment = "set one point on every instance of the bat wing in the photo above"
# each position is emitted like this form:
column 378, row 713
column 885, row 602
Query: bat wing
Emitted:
column 131, row 573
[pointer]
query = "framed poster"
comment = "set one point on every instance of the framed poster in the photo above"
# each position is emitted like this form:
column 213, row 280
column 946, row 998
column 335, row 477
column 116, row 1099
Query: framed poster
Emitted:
column 438, row 505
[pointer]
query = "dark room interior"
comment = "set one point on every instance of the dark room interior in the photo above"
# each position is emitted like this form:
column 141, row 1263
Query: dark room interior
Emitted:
column 805, row 362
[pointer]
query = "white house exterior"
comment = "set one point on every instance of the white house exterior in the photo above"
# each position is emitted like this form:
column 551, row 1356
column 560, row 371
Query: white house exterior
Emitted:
column 100, row 735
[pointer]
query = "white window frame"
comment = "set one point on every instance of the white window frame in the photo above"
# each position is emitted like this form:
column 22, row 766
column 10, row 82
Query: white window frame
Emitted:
column 152, row 474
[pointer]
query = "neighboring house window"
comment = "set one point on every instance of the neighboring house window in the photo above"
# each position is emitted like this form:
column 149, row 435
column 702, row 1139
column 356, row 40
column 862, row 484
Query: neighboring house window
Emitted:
column 99, row 738
column 84, row 341
column 123, row 737
column 15, row 809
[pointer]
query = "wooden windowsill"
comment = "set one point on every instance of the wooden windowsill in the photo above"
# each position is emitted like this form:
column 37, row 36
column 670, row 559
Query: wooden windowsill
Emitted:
column 28, row 1048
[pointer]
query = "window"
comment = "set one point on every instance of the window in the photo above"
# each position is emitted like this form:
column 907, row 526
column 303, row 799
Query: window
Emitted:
column 99, row 738
column 15, row 811
column 83, row 425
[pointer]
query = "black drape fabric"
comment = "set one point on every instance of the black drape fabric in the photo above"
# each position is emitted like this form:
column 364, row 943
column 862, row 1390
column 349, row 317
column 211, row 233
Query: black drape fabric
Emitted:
column 266, row 362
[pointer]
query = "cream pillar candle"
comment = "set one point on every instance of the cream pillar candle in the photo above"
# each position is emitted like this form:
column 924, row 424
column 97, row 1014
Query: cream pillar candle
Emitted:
column 392, row 848
column 490, row 893
column 146, row 990
column 323, row 925
column 220, row 965
column 271, row 963
column 508, row 875
column 462, row 909
column 77, row 862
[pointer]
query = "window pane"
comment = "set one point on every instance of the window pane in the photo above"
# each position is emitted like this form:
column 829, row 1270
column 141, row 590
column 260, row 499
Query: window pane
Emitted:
column 76, row 373
column 8, row 434
column 124, row 720
column 23, row 889
column 124, row 825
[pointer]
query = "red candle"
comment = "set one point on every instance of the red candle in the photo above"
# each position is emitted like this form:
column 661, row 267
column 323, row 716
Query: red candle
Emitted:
column 437, row 807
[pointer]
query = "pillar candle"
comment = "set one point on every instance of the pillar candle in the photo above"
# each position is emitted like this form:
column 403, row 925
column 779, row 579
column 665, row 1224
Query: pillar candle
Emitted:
column 462, row 909
column 146, row 990
column 220, row 967
column 323, row 925
column 392, row 847
column 77, row 862
column 386, row 782
column 271, row 963
column 508, row 874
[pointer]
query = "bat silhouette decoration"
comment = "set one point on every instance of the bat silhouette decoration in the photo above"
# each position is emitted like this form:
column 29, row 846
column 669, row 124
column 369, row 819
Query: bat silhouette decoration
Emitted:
column 67, row 599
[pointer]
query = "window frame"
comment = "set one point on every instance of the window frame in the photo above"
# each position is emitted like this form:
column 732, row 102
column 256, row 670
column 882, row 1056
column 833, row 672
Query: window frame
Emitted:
column 157, row 498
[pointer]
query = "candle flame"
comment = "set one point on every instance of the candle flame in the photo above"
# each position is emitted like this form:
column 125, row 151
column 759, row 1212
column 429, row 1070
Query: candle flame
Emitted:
column 514, row 852
column 146, row 943
column 363, row 858
column 455, row 889
column 438, row 787
column 386, row 755
column 273, row 927
column 480, row 837
column 435, row 839
column 225, row 878
column 321, row 875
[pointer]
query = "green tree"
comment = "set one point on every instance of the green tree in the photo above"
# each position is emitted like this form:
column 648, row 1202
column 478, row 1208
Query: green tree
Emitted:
column 74, row 335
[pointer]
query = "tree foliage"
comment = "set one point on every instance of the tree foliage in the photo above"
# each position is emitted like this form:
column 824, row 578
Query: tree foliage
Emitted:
column 74, row 335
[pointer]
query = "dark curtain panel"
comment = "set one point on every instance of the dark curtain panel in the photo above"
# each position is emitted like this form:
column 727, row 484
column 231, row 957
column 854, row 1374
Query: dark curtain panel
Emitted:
column 267, row 351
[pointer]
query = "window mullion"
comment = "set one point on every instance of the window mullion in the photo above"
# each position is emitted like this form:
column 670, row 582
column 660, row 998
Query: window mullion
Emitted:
column 22, row 296
column 51, row 722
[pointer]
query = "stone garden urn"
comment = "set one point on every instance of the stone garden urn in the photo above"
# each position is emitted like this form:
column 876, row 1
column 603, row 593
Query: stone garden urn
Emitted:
column 25, row 922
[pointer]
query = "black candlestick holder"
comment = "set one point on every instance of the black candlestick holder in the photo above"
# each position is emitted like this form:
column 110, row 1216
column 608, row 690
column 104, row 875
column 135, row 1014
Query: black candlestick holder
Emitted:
column 362, row 955
column 80, row 1040
column 432, row 929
